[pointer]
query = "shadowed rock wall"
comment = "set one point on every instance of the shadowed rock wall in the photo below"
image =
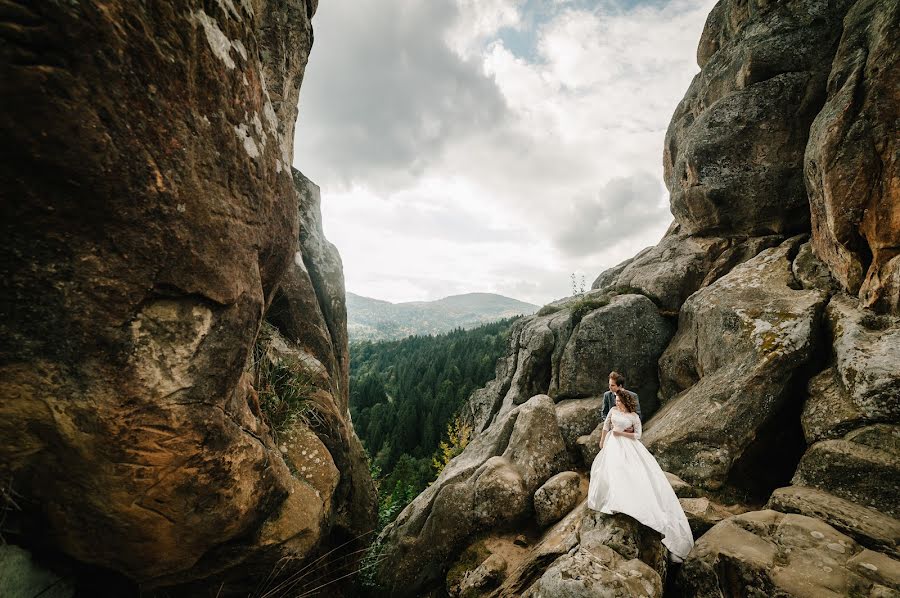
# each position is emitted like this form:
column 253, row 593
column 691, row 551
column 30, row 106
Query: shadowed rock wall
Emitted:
column 149, row 215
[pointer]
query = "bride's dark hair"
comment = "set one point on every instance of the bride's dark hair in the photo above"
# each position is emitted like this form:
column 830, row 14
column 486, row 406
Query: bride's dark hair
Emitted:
column 627, row 399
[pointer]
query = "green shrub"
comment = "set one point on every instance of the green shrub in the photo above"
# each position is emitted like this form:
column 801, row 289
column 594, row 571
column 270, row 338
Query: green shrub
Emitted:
column 284, row 385
column 583, row 307
column 548, row 309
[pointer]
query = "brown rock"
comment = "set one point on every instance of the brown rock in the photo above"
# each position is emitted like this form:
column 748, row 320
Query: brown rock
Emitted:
column 148, row 148
column 852, row 166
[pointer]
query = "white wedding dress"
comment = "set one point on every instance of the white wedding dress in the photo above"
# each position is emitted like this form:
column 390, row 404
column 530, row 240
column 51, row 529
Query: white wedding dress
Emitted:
column 625, row 478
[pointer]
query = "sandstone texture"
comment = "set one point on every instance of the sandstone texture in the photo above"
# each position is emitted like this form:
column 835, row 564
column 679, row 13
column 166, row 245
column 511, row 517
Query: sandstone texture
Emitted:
column 679, row 265
column 740, row 344
column 149, row 150
column 557, row 497
column 490, row 485
column 568, row 349
column 628, row 335
column 869, row 527
column 766, row 553
column 852, row 162
column 735, row 147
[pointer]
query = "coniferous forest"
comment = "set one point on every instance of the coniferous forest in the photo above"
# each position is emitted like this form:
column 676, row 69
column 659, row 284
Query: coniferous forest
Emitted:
column 404, row 398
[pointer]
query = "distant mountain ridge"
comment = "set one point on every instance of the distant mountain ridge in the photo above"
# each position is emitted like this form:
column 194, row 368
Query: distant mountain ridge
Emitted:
column 375, row 319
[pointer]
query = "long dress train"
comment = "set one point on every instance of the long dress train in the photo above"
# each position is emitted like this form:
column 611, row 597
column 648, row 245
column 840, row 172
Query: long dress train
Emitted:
column 625, row 478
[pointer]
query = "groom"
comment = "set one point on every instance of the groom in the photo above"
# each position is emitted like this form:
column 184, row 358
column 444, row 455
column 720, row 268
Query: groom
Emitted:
column 616, row 382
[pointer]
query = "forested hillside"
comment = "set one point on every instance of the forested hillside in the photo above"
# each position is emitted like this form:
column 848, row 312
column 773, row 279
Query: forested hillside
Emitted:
column 404, row 395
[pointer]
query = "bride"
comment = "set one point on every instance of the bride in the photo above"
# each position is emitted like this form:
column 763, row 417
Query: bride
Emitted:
column 625, row 478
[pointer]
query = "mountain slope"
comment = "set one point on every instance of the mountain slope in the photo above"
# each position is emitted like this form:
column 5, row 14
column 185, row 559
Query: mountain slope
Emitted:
column 374, row 319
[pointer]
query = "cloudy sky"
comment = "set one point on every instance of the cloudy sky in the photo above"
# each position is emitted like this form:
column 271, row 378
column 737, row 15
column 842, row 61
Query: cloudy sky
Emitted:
column 492, row 145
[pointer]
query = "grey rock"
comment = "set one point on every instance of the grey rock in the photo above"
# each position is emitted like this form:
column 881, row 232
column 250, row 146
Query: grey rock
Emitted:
column 589, row 446
column 557, row 497
column 22, row 577
column 627, row 335
column 682, row 489
column 702, row 514
column 829, row 411
column 853, row 471
column 500, row 495
column 811, row 272
column 866, row 356
column 734, row 150
column 578, row 417
column 489, row 484
column 628, row 537
column 669, row 272
column 869, row 527
column 484, row 577
column 766, row 553
column 740, row 343
column 597, row 572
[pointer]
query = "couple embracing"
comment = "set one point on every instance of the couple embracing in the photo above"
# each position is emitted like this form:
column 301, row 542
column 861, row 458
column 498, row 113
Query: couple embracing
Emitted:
column 625, row 478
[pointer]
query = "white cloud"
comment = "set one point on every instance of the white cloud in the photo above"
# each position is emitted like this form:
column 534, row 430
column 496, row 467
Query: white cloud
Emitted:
column 491, row 145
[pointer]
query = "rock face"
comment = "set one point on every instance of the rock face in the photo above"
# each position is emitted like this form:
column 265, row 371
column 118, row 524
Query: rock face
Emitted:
column 626, row 335
column 489, row 485
column 557, row 497
column 740, row 344
column 679, row 265
column 852, row 165
column 766, row 553
column 156, row 215
column 734, row 150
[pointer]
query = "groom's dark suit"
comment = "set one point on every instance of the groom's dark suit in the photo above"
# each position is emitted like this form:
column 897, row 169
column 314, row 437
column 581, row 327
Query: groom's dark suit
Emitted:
column 609, row 401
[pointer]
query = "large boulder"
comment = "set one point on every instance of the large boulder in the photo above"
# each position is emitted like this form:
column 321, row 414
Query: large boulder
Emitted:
column 867, row 526
column 742, row 344
column 557, row 497
column 596, row 572
column 589, row 554
column 627, row 335
column 852, row 165
column 578, row 417
column 734, row 150
column 866, row 357
column 866, row 475
column 149, row 148
column 567, row 349
column 766, row 553
column 526, row 370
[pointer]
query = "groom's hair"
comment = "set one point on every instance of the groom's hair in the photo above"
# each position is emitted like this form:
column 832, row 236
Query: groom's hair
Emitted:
column 618, row 378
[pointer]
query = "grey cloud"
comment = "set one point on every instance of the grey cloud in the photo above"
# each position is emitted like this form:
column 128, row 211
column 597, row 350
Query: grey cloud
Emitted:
column 384, row 94
column 624, row 208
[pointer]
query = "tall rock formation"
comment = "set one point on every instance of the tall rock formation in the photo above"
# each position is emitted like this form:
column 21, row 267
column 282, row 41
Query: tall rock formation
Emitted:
column 149, row 216
column 775, row 386
column 852, row 159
